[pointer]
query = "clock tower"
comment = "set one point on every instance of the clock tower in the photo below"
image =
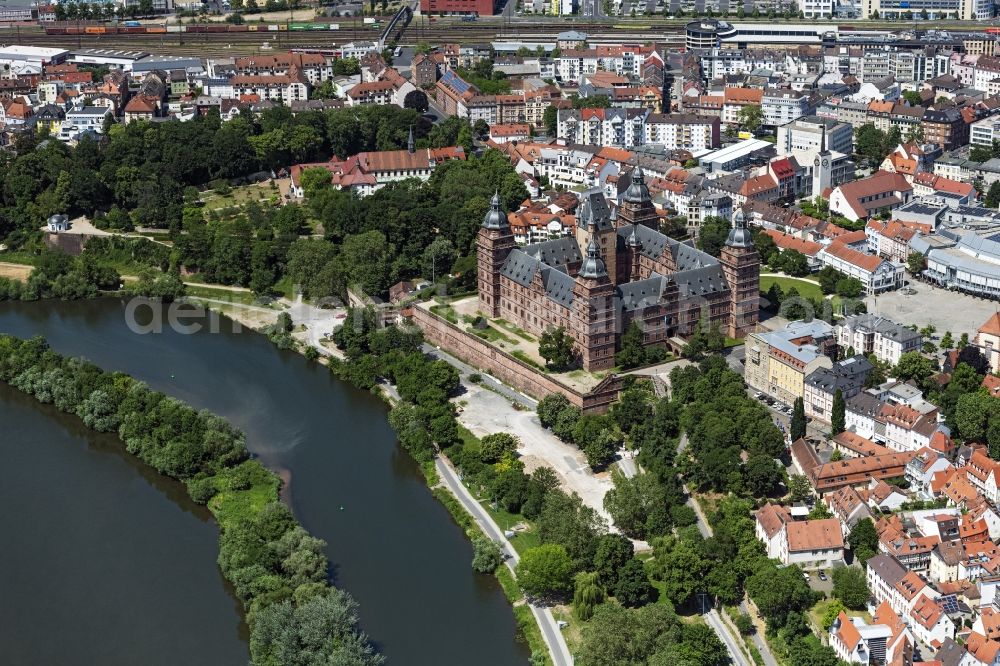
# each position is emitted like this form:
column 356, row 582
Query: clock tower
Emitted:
column 822, row 175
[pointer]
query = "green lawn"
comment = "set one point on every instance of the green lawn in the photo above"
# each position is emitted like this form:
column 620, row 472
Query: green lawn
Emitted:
column 807, row 289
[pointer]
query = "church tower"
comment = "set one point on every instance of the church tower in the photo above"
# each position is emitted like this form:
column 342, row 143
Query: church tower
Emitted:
column 637, row 205
column 494, row 243
column 822, row 167
column 593, row 316
column 741, row 269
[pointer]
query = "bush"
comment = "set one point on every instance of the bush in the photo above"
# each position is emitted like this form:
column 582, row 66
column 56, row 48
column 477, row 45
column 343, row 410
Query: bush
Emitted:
column 202, row 490
column 487, row 555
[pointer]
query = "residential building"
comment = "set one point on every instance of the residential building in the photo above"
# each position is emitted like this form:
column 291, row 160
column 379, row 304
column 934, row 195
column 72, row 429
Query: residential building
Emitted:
column 847, row 376
column 946, row 128
column 780, row 107
column 806, row 543
column 875, row 273
column 778, row 362
column 812, row 134
column 988, row 340
column 690, row 132
column 873, row 334
column 863, row 198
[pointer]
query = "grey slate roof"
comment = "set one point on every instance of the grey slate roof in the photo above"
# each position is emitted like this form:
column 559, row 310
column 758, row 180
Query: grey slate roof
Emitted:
column 653, row 242
column 593, row 211
column 887, row 568
column 687, row 257
column 701, row 281
column 642, row 293
column 557, row 252
column 558, row 286
column 520, row 267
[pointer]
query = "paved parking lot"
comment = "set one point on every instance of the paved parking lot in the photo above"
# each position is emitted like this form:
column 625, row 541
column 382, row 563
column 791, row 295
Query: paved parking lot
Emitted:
column 923, row 304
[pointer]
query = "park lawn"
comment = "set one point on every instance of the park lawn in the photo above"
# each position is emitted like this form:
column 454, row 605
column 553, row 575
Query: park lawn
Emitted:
column 238, row 197
column 18, row 257
column 241, row 297
column 805, row 288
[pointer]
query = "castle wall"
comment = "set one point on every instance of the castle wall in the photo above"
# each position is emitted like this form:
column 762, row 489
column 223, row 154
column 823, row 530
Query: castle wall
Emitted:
column 511, row 370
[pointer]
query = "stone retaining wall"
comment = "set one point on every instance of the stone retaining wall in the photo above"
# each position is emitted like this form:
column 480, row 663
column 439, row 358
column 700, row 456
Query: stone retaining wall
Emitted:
column 513, row 371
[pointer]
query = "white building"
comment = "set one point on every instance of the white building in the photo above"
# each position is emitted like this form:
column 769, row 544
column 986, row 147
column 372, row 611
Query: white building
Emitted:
column 873, row 334
column 780, row 107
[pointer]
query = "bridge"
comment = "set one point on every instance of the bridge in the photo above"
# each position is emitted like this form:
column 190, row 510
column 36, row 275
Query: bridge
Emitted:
column 394, row 28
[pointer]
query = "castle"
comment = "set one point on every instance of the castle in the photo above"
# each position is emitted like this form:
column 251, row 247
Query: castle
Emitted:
column 618, row 269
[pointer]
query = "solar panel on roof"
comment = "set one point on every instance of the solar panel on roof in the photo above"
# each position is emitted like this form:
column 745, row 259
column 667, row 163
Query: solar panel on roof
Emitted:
column 948, row 603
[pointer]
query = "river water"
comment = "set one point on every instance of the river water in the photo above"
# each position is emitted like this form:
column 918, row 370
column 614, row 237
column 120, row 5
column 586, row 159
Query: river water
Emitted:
column 391, row 544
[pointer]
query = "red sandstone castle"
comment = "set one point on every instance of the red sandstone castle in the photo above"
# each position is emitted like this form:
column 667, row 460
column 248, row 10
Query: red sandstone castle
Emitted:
column 618, row 269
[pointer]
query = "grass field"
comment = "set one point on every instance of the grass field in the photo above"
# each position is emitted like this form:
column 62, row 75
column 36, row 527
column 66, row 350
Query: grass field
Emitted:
column 805, row 288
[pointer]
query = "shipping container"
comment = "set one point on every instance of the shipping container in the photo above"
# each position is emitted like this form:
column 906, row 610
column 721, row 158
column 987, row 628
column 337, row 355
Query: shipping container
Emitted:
column 131, row 24
column 95, row 30
column 369, row 20
column 156, row 30
column 175, row 28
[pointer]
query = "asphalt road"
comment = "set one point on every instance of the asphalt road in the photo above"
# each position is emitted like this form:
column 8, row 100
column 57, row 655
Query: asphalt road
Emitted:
column 735, row 653
column 543, row 616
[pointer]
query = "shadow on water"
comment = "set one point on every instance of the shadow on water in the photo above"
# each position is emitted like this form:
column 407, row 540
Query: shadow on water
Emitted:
column 391, row 543
column 122, row 575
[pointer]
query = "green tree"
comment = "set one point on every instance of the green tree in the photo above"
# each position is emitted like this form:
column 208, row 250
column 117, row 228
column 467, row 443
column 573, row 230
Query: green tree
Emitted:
column 587, row 595
column 546, row 570
column 633, row 351
column 912, row 97
column 850, row 587
column 633, row 588
column 797, row 426
column 487, row 555
column 915, row 263
column 947, row 342
column 681, row 567
column 550, row 118
column 799, row 488
column 863, row 540
column 993, row 195
column 914, row 365
column 498, row 445
column 556, row 346
column 778, row 592
column 750, row 117
column 837, row 419
column 613, row 552
column 762, row 475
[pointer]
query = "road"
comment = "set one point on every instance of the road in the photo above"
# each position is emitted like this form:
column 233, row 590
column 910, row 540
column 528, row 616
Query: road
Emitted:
column 719, row 627
column 706, row 531
column 543, row 616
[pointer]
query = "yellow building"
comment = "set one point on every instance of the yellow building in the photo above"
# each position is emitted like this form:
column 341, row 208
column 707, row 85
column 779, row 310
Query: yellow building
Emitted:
column 778, row 362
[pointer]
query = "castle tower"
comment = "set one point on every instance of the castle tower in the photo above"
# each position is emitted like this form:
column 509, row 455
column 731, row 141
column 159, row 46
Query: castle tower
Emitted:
column 634, row 250
column 741, row 269
column 594, row 222
column 494, row 243
column 593, row 316
column 637, row 205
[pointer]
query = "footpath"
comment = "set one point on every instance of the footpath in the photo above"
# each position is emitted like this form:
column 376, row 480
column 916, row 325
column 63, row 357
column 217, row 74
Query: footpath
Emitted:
column 543, row 616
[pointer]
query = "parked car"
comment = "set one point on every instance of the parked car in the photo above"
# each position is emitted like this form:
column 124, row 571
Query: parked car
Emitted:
column 806, row 576
column 822, row 575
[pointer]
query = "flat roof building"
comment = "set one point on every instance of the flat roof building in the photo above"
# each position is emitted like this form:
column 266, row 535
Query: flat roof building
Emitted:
column 31, row 55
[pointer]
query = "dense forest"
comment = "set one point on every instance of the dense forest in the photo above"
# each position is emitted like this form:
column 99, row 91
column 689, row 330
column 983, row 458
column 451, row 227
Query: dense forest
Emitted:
column 157, row 175
column 278, row 570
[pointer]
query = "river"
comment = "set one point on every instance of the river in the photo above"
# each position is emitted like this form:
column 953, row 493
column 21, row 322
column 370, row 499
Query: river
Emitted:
column 391, row 544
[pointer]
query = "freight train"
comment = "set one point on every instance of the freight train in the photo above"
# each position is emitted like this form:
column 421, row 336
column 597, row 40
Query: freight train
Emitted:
column 81, row 28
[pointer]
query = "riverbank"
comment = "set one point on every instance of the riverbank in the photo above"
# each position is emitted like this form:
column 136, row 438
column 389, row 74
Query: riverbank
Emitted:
column 311, row 328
